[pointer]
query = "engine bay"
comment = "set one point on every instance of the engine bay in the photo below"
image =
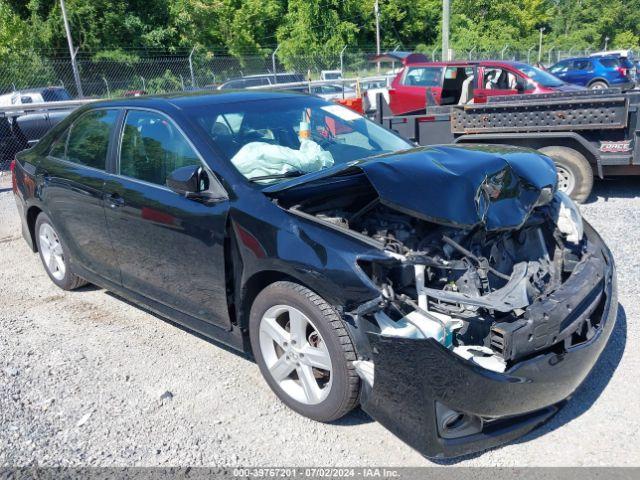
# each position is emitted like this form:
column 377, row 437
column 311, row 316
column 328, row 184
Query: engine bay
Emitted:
column 470, row 289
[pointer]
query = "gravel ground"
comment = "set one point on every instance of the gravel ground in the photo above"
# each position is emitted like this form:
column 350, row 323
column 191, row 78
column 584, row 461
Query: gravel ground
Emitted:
column 84, row 378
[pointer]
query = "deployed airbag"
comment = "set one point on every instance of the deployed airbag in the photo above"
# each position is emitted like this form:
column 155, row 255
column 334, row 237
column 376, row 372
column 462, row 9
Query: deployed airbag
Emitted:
column 256, row 159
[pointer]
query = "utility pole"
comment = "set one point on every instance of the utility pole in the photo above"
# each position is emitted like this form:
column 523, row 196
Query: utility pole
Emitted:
column 542, row 29
column 72, row 51
column 606, row 43
column 376, row 10
column 445, row 29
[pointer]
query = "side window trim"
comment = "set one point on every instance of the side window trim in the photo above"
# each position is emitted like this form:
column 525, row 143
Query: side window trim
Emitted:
column 118, row 151
column 64, row 134
column 113, row 151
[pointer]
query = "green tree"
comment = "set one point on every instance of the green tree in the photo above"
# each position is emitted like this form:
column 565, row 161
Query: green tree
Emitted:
column 317, row 28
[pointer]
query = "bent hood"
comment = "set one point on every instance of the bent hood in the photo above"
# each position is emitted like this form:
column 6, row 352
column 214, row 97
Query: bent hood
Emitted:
column 490, row 185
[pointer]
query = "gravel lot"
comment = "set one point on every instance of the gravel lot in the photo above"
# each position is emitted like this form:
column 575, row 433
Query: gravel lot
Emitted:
column 83, row 377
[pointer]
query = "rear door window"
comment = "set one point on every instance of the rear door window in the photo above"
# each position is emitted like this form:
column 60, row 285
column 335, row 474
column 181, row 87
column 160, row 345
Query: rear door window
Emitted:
column 88, row 140
column 423, row 77
column 581, row 65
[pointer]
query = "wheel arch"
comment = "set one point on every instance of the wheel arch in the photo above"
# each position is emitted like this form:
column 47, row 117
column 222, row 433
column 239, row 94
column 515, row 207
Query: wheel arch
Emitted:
column 253, row 286
column 598, row 79
column 32, row 215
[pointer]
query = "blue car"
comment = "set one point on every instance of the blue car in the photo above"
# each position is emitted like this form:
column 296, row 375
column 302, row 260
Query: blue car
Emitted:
column 596, row 72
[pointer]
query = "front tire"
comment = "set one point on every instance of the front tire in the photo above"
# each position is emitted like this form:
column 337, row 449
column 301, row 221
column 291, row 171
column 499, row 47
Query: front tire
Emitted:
column 54, row 255
column 304, row 351
column 575, row 176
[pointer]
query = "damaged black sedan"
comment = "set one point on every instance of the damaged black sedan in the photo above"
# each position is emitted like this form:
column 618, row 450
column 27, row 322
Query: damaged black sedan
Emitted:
column 452, row 292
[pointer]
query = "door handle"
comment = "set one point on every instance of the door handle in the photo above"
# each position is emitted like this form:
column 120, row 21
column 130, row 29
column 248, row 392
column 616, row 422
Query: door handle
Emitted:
column 115, row 200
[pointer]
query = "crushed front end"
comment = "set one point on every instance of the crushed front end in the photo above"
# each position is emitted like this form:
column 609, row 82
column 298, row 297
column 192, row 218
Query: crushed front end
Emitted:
column 478, row 336
column 495, row 298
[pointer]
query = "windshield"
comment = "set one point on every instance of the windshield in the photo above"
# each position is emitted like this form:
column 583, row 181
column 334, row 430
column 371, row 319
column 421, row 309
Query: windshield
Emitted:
column 540, row 76
column 271, row 140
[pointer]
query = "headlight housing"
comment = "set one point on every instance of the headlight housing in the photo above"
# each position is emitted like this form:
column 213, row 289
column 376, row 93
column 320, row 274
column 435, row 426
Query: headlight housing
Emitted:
column 569, row 219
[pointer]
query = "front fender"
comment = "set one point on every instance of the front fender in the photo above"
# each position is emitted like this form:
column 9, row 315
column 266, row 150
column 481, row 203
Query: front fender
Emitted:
column 319, row 258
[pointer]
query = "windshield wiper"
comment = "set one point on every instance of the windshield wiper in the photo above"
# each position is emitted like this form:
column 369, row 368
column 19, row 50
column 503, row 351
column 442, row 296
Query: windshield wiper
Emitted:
column 289, row 174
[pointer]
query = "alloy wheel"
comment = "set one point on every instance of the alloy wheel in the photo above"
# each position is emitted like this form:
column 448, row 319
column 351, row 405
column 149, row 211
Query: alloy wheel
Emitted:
column 52, row 253
column 295, row 354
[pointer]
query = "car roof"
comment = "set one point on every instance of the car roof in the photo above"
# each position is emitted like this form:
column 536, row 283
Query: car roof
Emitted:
column 591, row 57
column 464, row 63
column 264, row 75
column 184, row 100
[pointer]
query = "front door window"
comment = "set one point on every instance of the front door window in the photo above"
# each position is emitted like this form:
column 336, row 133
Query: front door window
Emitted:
column 152, row 147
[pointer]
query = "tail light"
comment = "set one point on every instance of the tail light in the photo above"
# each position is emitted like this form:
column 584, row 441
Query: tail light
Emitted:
column 622, row 70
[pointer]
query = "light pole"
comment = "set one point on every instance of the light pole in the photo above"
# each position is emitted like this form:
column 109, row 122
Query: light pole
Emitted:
column 606, row 43
column 542, row 29
column 72, row 51
column 445, row 29
column 376, row 11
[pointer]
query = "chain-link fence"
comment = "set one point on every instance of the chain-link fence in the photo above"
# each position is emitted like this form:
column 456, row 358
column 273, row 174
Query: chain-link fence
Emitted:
column 104, row 78
column 29, row 79
column 167, row 73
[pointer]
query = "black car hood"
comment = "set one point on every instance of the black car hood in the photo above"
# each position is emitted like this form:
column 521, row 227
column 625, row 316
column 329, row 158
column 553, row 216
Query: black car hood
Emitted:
column 465, row 186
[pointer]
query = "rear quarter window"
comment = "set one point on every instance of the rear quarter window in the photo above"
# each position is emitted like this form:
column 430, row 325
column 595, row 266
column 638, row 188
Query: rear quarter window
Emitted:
column 609, row 62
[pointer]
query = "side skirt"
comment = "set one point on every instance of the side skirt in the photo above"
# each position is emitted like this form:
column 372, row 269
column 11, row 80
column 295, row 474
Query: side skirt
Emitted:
column 233, row 338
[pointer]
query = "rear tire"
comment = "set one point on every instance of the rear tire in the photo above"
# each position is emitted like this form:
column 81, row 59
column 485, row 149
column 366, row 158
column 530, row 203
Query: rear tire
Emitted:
column 310, row 369
column 55, row 255
column 575, row 176
column 598, row 85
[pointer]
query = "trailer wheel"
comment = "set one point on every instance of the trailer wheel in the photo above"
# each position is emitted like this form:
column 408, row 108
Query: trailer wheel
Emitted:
column 575, row 176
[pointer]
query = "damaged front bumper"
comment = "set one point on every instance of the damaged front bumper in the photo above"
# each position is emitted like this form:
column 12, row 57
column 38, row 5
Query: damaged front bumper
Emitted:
column 445, row 406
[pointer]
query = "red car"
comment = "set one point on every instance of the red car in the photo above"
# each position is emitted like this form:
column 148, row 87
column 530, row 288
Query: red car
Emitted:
column 462, row 82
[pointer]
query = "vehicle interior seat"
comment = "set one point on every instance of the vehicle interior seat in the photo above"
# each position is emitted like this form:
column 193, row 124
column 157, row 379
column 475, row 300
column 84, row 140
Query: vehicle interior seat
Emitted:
column 467, row 91
column 502, row 82
column 490, row 79
column 452, row 87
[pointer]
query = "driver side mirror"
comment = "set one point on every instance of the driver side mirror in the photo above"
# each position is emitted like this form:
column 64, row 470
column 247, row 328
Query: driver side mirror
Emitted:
column 520, row 87
column 188, row 180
